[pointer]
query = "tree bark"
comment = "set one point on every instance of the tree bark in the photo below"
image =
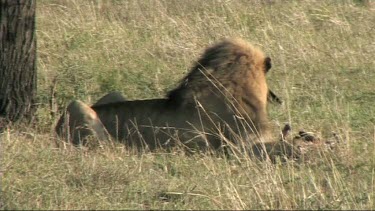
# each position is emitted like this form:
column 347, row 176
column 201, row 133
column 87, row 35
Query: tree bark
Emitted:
column 17, row 61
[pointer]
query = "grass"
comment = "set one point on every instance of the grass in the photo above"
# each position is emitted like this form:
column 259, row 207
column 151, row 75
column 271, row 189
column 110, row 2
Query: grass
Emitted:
column 323, row 69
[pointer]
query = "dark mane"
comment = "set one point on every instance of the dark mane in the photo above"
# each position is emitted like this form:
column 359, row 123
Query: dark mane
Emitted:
column 215, row 61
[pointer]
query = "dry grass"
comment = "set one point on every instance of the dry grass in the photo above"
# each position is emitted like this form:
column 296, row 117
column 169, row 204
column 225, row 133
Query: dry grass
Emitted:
column 323, row 68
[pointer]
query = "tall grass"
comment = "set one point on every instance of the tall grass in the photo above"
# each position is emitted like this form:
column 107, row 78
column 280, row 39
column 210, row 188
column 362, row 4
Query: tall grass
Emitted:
column 323, row 68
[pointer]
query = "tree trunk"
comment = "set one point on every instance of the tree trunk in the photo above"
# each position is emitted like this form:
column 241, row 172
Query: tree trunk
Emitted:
column 17, row 61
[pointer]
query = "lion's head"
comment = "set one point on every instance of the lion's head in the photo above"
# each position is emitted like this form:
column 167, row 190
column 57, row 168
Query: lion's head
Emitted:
column 231, row 69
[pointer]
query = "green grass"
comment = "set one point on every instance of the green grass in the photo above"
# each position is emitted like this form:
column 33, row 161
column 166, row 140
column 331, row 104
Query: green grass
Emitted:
column 323, row 68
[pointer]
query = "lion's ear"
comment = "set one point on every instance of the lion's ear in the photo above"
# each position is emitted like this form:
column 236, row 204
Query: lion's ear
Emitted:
column 267, row 64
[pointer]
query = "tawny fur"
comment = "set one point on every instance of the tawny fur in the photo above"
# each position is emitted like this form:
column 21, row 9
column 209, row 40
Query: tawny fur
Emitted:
column 222, row 99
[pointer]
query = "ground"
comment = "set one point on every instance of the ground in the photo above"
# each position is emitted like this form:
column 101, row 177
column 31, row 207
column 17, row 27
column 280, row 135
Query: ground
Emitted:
column 323, row 69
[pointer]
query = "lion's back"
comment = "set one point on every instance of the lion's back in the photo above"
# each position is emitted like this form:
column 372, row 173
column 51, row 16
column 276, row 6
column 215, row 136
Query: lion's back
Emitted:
column 154, row 122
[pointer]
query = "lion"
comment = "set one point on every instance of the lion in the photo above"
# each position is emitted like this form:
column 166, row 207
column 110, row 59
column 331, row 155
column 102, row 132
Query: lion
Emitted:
column 222, row 101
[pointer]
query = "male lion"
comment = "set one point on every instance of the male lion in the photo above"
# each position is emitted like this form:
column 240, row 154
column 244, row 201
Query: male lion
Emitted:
column 221, row 101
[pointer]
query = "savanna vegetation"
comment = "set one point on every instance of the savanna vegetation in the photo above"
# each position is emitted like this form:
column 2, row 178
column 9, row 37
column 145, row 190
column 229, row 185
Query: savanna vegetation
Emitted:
column 323, row 69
